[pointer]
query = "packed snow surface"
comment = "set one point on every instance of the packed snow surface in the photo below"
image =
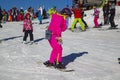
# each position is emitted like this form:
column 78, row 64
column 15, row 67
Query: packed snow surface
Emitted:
column 92, row 54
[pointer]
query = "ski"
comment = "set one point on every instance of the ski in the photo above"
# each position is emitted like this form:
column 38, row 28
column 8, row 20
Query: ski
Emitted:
column 77, row 30
column 101, row 29
column 30, row 43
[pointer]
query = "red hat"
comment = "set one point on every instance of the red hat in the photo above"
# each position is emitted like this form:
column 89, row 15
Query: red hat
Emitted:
column 27, row 14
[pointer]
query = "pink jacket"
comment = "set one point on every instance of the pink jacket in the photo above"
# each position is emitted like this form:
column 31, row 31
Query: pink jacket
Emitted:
column 57, row 25
column 96, row 12
column 27, row 25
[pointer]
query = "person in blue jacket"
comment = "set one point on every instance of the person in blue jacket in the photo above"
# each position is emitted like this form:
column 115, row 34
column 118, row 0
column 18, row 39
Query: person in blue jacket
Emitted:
column 40, row 13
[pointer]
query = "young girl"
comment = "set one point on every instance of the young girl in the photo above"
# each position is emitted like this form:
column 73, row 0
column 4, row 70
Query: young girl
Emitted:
column 96, row 17
column 27, row 28
column 56, row 26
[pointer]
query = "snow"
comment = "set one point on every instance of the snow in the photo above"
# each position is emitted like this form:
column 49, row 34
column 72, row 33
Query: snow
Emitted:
column 92, row 54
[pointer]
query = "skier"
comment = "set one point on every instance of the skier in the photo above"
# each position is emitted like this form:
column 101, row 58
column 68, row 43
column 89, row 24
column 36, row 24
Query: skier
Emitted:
column 40, row 13
column 45, row 16
column 112, row 15
column 77, row 18
column 27, row 28
column 14, row 13
column 5, row 15
column 83, row 15
column 57, row 26
column 10, row 18
column 96, row 17
column 21, row 13
column 1, row 15
column 106, row 13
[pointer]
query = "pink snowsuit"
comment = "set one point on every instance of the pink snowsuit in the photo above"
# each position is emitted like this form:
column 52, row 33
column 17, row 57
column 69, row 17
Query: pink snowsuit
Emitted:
column 57, row 26
column 96, row 16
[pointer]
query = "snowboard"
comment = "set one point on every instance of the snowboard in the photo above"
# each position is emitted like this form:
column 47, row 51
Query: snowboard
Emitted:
column 52, row 67
column 66, row 70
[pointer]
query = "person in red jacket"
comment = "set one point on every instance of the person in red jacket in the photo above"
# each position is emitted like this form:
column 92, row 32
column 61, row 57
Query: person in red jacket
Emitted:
column 77, row 18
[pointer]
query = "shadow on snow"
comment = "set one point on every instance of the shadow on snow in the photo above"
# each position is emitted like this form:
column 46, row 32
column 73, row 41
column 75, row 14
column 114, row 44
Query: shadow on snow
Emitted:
column 10, row 38
column 70, row 58
column 40, row 39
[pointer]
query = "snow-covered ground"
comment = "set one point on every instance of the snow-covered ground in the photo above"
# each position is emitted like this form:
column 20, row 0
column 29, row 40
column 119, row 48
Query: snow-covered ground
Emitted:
column 92, row 54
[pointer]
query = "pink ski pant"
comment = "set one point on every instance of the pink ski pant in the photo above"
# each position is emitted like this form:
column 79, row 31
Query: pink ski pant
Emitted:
column 96, row 21
column 56, row 53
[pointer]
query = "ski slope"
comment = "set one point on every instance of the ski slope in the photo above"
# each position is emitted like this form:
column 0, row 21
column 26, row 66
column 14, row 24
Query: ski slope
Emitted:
column 92, row 54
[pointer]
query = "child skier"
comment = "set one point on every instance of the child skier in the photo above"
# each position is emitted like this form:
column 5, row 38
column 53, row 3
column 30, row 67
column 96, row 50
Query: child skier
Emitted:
column 96, row 17
column 27, row 28
column 56, row 26
column 77, row 18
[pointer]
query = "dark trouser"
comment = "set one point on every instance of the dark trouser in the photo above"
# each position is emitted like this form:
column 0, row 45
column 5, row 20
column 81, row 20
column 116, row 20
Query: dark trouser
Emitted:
column 86, row 26
column 111, row 19
column 26, row 35
column 106, row 19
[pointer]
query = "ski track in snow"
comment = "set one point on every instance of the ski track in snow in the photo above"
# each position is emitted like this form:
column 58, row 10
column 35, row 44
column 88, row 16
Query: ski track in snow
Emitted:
column 92, row 54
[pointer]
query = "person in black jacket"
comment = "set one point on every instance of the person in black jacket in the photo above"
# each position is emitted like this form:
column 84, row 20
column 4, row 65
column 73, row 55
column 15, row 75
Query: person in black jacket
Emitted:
column 0, row 17
column 106, row 13
column 112, row 15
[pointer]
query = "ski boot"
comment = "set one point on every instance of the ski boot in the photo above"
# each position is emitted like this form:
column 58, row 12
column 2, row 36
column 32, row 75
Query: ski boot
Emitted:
column 48, row 64
column 60, row 65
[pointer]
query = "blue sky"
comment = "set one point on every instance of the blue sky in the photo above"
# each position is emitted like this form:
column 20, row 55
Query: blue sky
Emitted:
column 8, row 4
